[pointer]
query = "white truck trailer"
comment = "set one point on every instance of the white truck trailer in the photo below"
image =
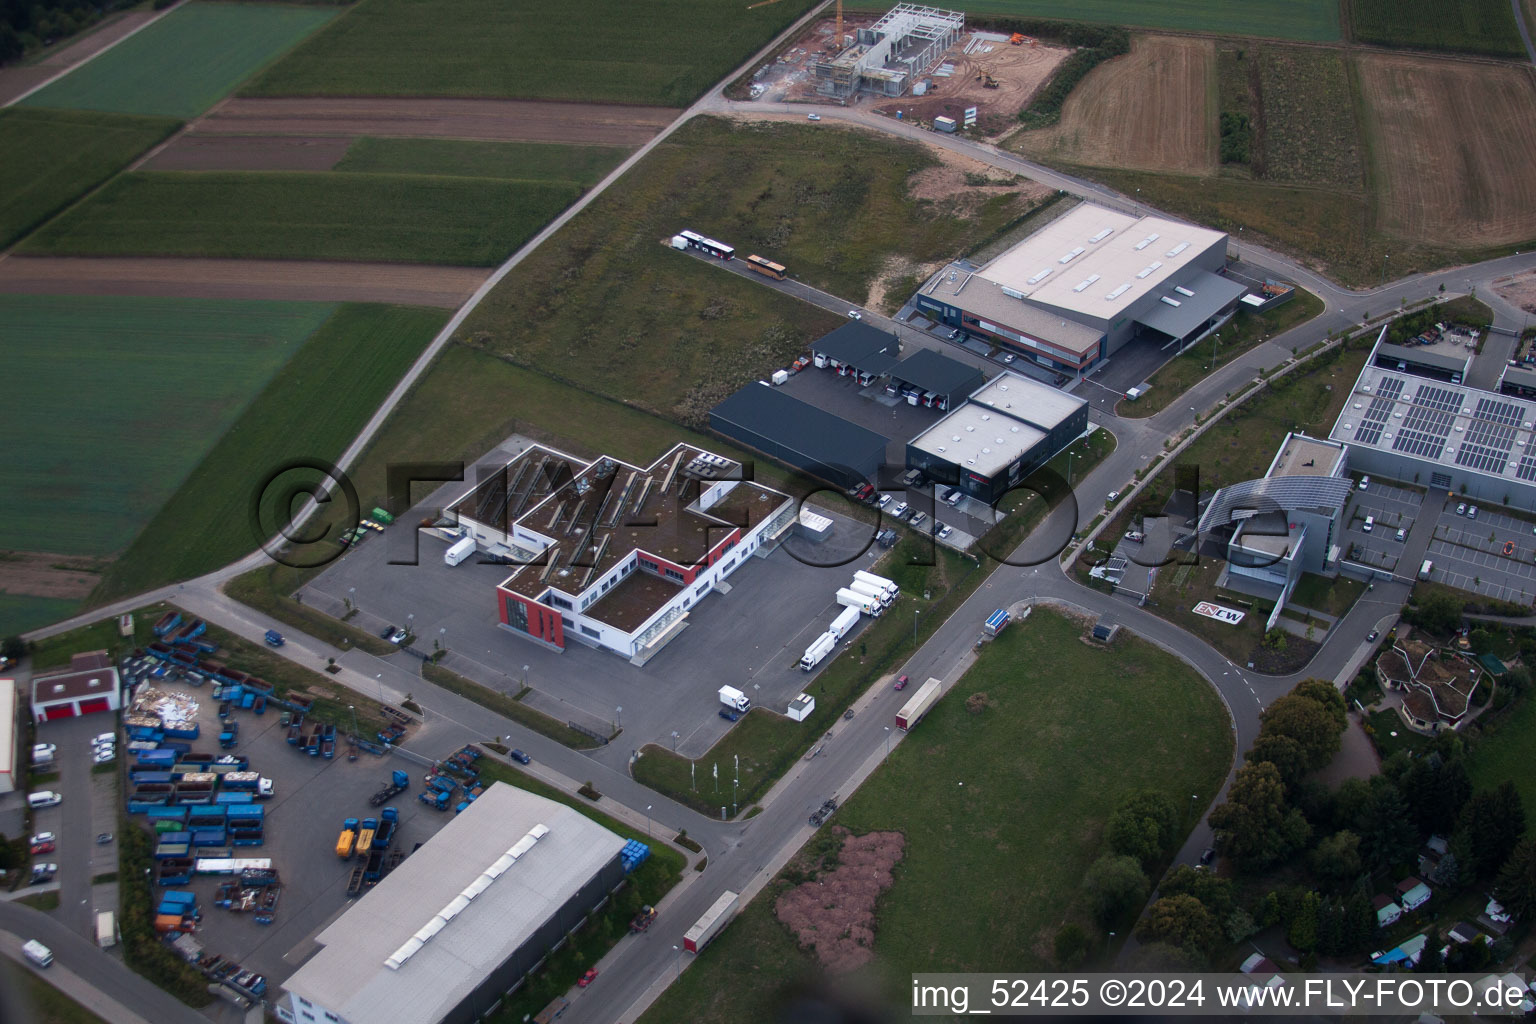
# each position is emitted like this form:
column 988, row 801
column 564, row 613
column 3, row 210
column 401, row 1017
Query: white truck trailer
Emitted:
column 459, row 550
column 819, row 649
column 878, row 593
column 734, row 698
column 879, row 581
column 844, row 623
column 863, row 602
column 710, row 925
column 924, row 699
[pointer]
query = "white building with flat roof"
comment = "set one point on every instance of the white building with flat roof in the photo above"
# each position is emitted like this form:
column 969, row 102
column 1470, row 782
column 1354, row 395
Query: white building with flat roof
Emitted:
column 1077, row 290
column 462, row 919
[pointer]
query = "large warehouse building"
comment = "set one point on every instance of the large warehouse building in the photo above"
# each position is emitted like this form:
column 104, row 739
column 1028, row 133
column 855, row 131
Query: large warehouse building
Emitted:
column 1078, row 290
column 613, row 555
column 799, row 434
column 1003, row 432
column 462, row 919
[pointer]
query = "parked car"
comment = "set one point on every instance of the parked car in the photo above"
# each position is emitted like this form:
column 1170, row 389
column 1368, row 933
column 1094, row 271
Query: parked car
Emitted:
column 954, row 335
column 520, row 757
column 1371, row 637
column 1401, row 535
column 44, row 798
column 397, row 637
column 1365, row 482
column 103, row 838
column 945, row 531
column 901, row 682
column 1113, row 497
column 813, row 117
column 918, row 517
column 44, row 751
column 43, row 837
column 1461, row 510
column 43, row 873
column 1008, row 358
column 885, row 499
column 103, row 756
column 1471, row 511
column 900, row 510
column 953, row 496
column 1209, row 855
column 386, row 632
column 729, row 715
column 588, row 978
column 855, row 314
column 106, row 737
column 38, row 849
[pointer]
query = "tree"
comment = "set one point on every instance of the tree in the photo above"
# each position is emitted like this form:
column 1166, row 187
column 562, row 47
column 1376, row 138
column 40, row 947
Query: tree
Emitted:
column 1491, row 823
column 1336, row 858
column 1430, row 961
column 1436, row 790
column 12, row 648
column 1071, row 946
column 1469, row 956
column 1330, row 928
column 1313, row 715
column 1359, row 919
column 1116, row 887
column 1284, row 752
column 1254, row 827
column 1387, row 833
column 1180, row 921
column 1144, row 826
column 1439, row 613
column 1213, row 891
column 1301, row 930
column 1516, row 885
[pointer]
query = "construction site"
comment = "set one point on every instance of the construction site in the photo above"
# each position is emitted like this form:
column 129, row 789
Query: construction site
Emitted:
column 918, row 63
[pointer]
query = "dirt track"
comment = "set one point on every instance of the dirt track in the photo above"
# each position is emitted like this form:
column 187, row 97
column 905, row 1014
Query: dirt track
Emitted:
column 1148, row 109
column 247, row 153
column 502, row 120
column 290, row 280
column 1455, row 147
column 1519, row 289
column 16, row 80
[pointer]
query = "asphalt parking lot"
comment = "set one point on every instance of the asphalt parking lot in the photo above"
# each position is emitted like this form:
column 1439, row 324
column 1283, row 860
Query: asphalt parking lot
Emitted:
column 1493, row 554
column 751, row 637
column 302, row 820
column 1393, row 508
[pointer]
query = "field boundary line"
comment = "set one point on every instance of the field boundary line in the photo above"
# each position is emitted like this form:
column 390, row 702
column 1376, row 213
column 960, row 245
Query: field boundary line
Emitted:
column 73, row 67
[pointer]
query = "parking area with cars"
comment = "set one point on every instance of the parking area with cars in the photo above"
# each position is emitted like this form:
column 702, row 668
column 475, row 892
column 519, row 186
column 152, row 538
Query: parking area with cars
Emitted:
column 1379, row 520
column 1483, row 549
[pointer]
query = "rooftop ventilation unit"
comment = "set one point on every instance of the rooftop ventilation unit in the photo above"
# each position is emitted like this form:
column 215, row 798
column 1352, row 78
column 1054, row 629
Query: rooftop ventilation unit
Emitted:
column 1012, row 292
column 1085, row 283
column 1172, row 301
column 1039, row 277
column 1146, row 271
column 1102, row 235
column 1183, row 291
column 1112, row 296
column 1145, row 242
column 1069, row 257
column 1177, row 249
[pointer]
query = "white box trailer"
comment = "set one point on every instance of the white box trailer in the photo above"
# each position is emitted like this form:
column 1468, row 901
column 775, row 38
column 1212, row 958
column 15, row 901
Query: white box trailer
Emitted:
column 459, row 550
column 106, row 929
column 844, row 623
column 879, row 581
column 780, row 377
column 863, row 602
column 710, row 925
column 860, row 587
column 925, row 698
column 734, row 698
column 819, row 649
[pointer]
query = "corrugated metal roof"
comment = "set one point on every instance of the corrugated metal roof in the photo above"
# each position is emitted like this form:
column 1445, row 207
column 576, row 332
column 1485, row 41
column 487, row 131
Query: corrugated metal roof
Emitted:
column 1207, row 295
column 349, row 975
column 936, row 372
column 799, row 426
column 856, row 343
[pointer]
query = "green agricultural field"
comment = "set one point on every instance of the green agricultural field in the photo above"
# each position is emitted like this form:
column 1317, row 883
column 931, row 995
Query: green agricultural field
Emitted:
column 317, row 216
column 124, row 397
column 525, row 161
column 43, row 1004
column 1012, row 799
column 312, row 408
column 665, row 52
column 1309, row 132
column 185, row 62
column 606, row 304
column 22, row 612
column 53, row 157
column 1469, row 26
column 1315, row 21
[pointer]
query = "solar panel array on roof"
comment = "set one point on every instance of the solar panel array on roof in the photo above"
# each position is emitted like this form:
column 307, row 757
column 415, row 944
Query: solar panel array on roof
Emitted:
column 1527, row 468
column 1390, row 387
column 1495, row 411
column 1475, row 456
column 1439, row 398
column 1374, row 421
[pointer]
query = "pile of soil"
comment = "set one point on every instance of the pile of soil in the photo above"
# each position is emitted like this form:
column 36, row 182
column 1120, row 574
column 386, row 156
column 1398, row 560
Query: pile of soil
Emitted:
column 834, row 913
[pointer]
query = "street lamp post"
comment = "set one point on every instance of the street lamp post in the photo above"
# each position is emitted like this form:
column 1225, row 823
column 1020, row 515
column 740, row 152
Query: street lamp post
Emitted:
column 677, row 960
column 648, row 821
column 887, row 741
column 914, row 627
column 525, row 677
column 619, row 711
column 674, row 741
column 354, row 719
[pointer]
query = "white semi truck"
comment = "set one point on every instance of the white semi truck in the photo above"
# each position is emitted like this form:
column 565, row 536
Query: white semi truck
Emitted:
column 714, row 919
column 884, row 584
column 460, row 550
column 878, row 593
column 844, row 623
column 819, row 649
column 863, row 602
column 734, row 698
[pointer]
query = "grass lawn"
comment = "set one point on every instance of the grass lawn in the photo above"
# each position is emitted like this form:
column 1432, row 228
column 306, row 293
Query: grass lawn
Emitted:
column 1380, row 727
column 187, row 61
column 22, row 612
column 55, row 156
column 1243, row 332
column 664, row 53
column 523, row 161
column 1503, row 754
column 316, row 216
column 1068, row 730
column 466, row 403
column 301, row 413
column 1333, row 597
column 1470, row 26
column 606, row 304
column 1309, row 135
column 507, row 706
column 41, row 900
column 646, row 885
column 47, row 1005
column 162, row 379
column 1307, row 20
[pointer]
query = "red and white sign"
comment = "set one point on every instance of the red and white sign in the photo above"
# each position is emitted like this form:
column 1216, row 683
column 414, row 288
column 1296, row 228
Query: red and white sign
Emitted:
column 1231, row 616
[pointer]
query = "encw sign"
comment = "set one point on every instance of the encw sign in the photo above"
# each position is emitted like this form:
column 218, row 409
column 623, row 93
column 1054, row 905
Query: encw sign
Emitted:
column 1231, row 616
